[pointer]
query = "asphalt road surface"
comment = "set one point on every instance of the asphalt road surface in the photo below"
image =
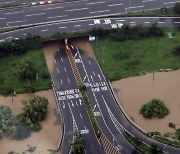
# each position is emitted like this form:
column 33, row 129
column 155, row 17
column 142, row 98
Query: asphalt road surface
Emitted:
column 74, row 10
column 70, row 101
column 109, row 117
column 82, row 25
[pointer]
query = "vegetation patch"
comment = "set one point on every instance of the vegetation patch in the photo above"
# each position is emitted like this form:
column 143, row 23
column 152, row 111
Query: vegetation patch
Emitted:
column 90, row 112
column 143, row 148
column 124, row 58
column 78, row 145
column 154, row 109
column 19, row 127
column 10, row 79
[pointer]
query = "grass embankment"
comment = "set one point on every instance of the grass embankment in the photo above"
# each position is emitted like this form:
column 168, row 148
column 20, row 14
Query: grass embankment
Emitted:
column 143, row 148
column 9, row 79
column 158, row 12
column 134, row 57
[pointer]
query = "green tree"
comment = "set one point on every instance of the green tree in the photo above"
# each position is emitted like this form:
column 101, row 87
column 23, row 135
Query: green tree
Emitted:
column 34, row 111
column 78, row 145
column 177, row 8
column 154, row 108
column 27, row 69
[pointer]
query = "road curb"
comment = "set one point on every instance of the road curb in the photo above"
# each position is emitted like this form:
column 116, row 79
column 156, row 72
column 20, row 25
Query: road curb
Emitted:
column 139, row 128
column 61, row 117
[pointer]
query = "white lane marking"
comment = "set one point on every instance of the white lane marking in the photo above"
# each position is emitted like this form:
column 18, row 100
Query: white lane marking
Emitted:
column 147, row 22
column 9, row 13
column 115, row 4
column 84, row 78
column 72, row 46
column 2, row 18
column 64, row 69
column 54, row 61
column 56, row 17
column 80, row 102
column 148, row 1
column 62, row 27
column 24, row 34
column 171, row 2
column 120, row 20
column 76, row 9
column 132, row 22
column 93, row 73
column 72, row 103
column 52, row 8
column 77, row 25
column 91, row 24
column 61, row 59
column 69, row 80
column 160, row 22
column 85, row 127
column 176, row 22
column 44, row 30
column 61, row 81
column 92, row 78
column 75, row 55
column 10, row 22
column 89, row 62
column 7, row 2
column 30, row 15
column 63, row 105
column 58, row 70
column 134, row 7
column 94, row 107
column 80, row 115
column 99, row 11
column 99, row 77
column 96, row 3
column 76, row 103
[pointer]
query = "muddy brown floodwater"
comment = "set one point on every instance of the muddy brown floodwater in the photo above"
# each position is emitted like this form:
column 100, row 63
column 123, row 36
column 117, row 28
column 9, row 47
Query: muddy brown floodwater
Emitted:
column 47, row 138
column 136, row 91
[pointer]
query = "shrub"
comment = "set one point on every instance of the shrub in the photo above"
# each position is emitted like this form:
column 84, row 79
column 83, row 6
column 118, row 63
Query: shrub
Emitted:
column 155, row 108
column 172, row 125
column 176, row 50
column 27, row 69
column 177, row 133
column 177, row 8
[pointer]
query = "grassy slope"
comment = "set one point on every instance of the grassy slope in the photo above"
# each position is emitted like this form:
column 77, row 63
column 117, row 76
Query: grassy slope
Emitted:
column 170, row 12
column 151, row 54
column 9, row 76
